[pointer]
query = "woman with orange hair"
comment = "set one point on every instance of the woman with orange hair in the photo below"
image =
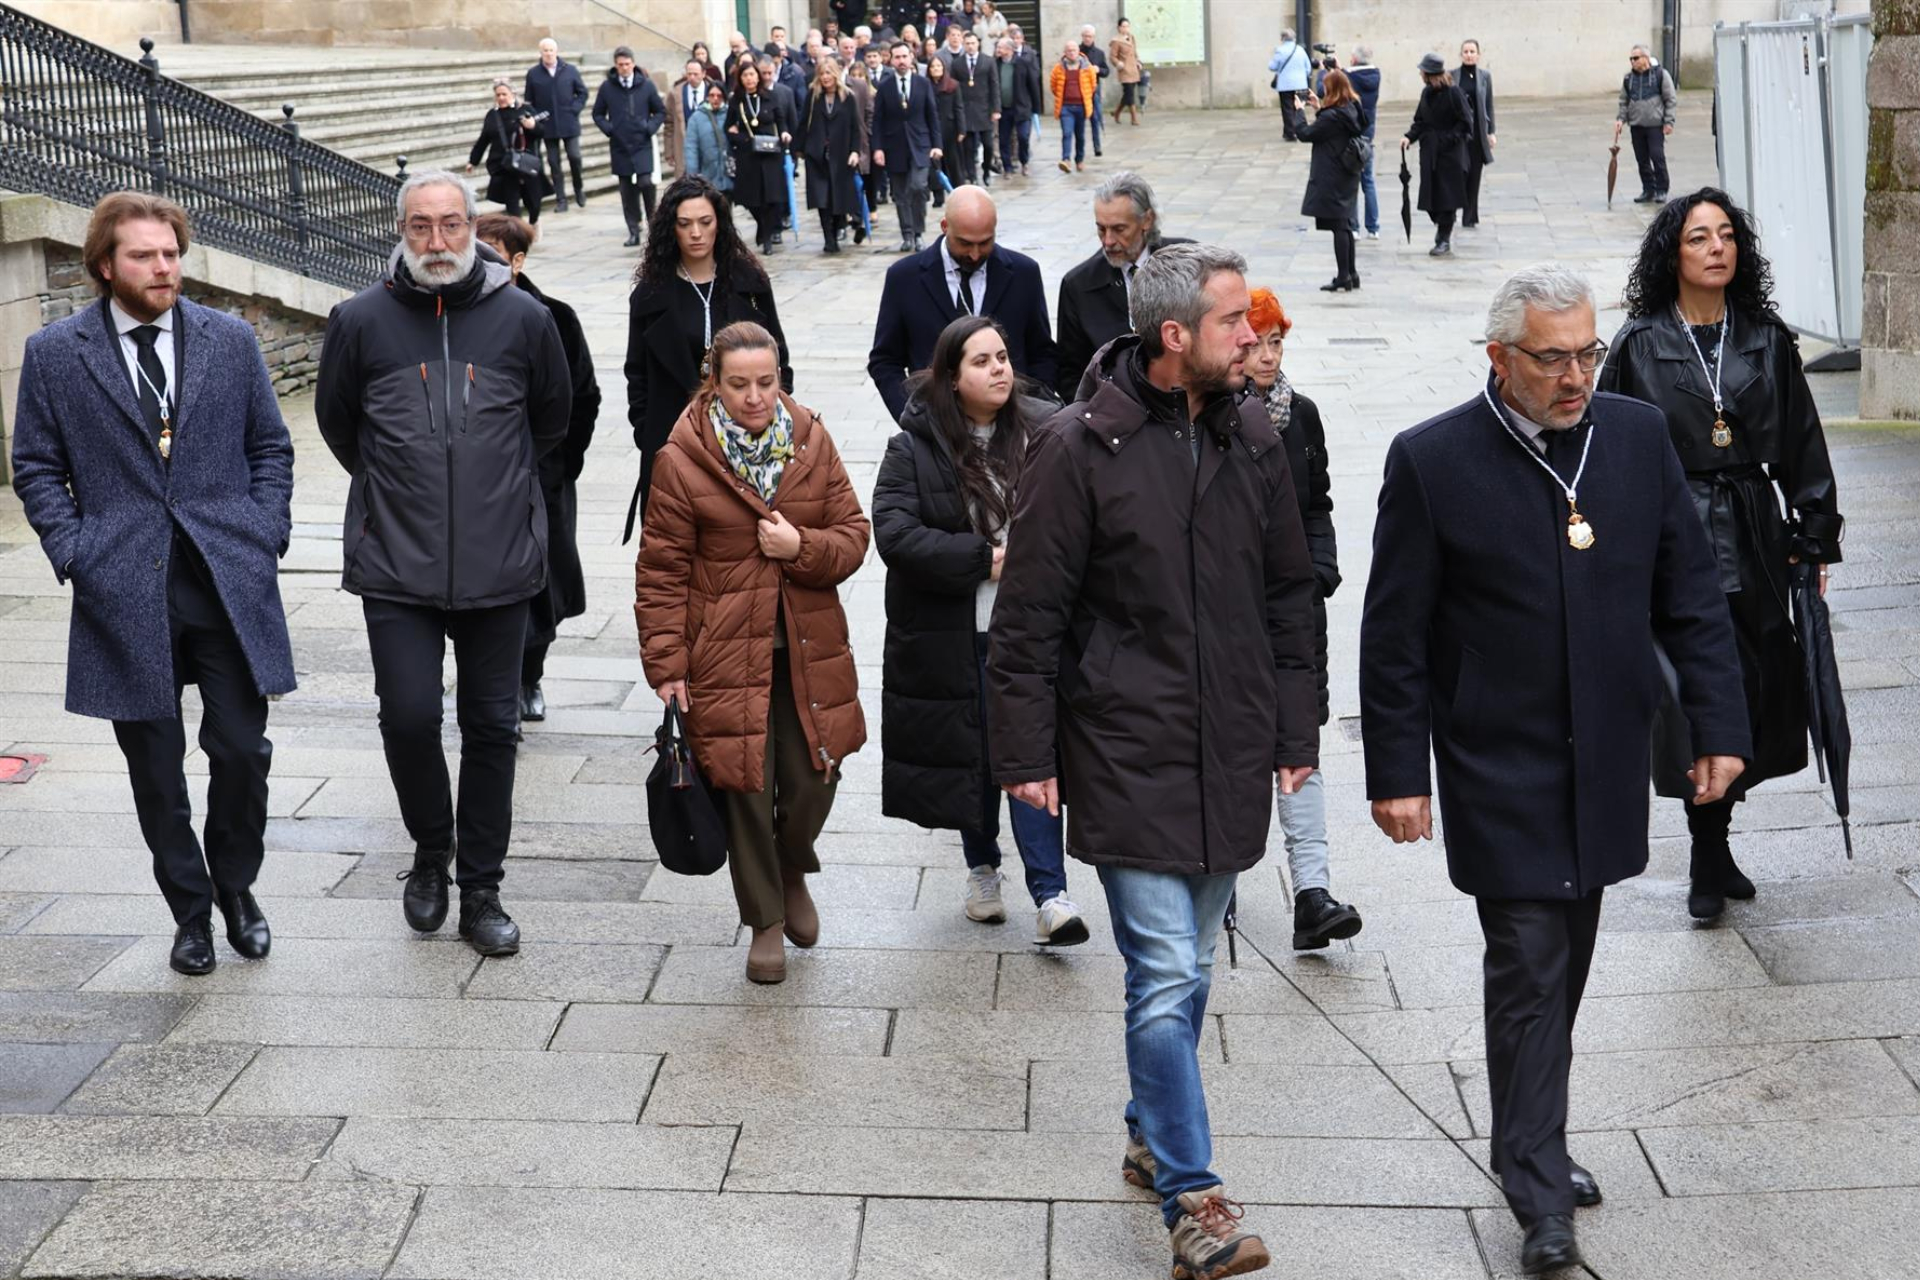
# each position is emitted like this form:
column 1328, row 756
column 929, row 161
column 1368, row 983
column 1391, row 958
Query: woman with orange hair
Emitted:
column 1317, row 917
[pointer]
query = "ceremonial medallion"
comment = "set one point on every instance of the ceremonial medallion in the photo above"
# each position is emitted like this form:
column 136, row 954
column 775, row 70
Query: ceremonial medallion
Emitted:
column 1579, row 532
column 1722, row 434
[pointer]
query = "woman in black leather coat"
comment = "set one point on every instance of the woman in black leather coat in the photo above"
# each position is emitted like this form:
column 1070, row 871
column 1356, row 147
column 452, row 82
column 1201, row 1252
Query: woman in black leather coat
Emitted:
column 1700, row 318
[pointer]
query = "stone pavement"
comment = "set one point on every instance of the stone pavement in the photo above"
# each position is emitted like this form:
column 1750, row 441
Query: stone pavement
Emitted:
column 926, row 1097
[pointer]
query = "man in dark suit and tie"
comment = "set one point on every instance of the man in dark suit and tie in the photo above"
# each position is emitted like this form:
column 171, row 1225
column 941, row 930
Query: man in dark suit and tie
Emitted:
column 979, row 110
column 1093, row 296
column 964, row 273
column 1533, row 546
column 688, row 92
column 152, row 462
column 906, row 140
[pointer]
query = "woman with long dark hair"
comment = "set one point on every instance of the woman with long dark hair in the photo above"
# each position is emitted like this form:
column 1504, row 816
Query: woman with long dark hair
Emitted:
column 941, row 511
column 951, row 112
column 754, row 526
column 1333, row 185
column 695, row 278
column 833, row 136
column 701, row 54
column 1704, row 342
column 1441, row 125
column 759, row 173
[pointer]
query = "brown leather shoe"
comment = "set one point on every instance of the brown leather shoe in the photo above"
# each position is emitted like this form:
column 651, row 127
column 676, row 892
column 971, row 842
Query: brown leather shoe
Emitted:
column 803, row 918
column 767, row 956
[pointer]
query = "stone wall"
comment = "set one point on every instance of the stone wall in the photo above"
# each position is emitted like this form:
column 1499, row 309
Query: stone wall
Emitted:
column 1890, row 318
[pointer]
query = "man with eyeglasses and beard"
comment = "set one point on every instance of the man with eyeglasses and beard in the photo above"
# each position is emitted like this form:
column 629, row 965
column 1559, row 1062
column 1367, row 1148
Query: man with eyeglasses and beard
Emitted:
column 1535, row 548
column 440, row 386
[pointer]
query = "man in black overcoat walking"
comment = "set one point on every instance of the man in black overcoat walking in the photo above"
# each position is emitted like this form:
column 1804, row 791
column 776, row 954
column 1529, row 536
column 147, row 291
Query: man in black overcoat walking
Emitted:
column 906, row 141
column 1093, row 296
column 1525, row 541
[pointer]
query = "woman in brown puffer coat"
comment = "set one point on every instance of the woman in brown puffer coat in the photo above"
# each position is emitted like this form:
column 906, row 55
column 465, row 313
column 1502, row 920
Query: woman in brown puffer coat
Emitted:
column 752, row 525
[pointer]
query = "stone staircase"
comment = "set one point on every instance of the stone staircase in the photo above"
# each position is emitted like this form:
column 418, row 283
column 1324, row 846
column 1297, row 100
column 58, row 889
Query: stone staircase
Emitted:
column 377, row 104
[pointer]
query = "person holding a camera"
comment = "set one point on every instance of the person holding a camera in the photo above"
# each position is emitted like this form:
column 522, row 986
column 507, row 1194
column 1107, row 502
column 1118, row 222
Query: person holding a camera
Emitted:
column 1290, row 65
column 509, row 147
column 1340, row 152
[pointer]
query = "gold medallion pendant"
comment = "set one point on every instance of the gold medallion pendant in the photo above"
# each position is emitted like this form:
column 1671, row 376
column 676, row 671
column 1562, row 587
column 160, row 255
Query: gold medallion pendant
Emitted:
column 166, row 443
column 1722, row 434
column 1579, row 532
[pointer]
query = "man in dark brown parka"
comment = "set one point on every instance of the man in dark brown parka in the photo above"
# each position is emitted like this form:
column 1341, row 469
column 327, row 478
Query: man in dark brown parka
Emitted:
column 1154, row 633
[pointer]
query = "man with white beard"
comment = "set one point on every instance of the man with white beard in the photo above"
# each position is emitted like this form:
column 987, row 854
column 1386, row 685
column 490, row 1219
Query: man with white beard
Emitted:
column 440, row 387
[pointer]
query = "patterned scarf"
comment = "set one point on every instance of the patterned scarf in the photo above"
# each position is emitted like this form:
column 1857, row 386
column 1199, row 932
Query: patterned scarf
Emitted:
column 757, row 459
column 1280, row 403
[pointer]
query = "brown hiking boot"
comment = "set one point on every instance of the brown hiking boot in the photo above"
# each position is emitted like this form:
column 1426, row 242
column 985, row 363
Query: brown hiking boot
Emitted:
column 1207, row 1240
column 1138, row 1166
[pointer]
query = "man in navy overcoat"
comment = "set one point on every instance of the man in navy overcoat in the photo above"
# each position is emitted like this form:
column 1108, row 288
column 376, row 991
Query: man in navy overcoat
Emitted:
column 153, row 464
column 906, row 140
column 1532, row 547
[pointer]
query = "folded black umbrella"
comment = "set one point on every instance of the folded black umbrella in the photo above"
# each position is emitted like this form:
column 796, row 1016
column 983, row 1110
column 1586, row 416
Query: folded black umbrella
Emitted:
column 1406, row 196
column 1826, row 701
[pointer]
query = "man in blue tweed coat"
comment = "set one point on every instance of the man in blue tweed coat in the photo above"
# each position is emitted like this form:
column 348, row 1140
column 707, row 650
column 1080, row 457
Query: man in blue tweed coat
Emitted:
column 153, row 464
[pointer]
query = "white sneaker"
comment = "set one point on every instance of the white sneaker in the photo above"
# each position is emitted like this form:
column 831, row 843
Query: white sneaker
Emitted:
column 1059, row 924
column 1373, row 235
column 983, row 896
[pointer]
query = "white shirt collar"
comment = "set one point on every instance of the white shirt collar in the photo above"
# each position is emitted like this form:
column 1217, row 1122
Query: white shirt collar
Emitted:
column 123, row 324
column 1526, row 426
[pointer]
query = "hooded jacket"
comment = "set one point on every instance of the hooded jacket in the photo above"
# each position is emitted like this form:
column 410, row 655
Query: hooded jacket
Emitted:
column 1154, row 625
column 439, row 403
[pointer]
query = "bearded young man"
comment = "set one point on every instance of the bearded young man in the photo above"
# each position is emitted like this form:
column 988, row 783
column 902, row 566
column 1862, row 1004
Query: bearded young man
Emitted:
column 440, row 387
column 152, row 462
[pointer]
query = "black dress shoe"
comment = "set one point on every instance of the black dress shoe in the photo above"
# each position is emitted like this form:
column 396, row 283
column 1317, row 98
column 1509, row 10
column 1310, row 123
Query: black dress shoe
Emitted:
column 425, row 901
column 580, row 197
column 1336, row 285
column 193, row 949
column 1550, row 1246
column 632, row 240
column 533, row 703
column 1586, row 1190
column 247, row 930
column 859, row 233
column 487, row 928
column 1318, row 919
column 560, row 204
column 1441, row 250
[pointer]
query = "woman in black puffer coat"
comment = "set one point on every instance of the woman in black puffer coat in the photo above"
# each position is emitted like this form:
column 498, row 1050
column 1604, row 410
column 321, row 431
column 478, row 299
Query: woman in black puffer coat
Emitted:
column 941, row 508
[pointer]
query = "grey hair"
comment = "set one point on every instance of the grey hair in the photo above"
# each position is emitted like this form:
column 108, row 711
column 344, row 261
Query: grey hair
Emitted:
column 501, row 83
column 1172, row 285
column 432, row 178
column 1640, row 48
column 1363, row 55
column 1131, row 185
column 1287, row 33
column 1545, row 286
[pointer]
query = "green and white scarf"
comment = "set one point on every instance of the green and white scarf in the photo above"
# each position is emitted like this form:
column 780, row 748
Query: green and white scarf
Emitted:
column 758, row 459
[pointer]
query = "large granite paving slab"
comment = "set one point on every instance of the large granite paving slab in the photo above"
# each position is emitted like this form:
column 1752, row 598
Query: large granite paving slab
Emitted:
column 1014, row 1035
column 54, row 964
column 1097, row 984
column 930, row 1093
column 746, row 1030
column 37, row 1078
column 829, row 976
column 28, row 1211
column 161, row 1147
column 128, row 869
column 370, row 1022
column 161, row 1079
column 1789, row 1155
column 1623, row 964
column 448, row 1084
column 319, row 966
column 606, row 972
column 1262, row 1099
column 524, row 1153
column 87, row 1018
column 954, row 1239
column 1839, row 950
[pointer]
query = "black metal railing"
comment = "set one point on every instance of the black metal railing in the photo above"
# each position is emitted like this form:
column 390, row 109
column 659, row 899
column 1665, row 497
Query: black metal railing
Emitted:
column 78, row 121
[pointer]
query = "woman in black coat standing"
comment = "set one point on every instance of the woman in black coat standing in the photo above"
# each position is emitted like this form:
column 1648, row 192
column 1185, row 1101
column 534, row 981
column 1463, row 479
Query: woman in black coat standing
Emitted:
column 1704, row 343
column 566, row 593
column 833, row 137
column 695, row 278
column 941, row 510
column 1333, row 182
column 951, row 112
column 506, row 134
column 1441, row 125
column 759, row 174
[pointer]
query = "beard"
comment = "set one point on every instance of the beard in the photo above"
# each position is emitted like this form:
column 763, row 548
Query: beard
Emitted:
column 439, row 268
column 1209, row 380
column 143, row 304
column 1545, row 411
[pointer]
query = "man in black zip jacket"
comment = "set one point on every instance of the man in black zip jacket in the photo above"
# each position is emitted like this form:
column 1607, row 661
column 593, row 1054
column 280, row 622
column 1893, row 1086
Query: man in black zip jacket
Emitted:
column 439, row 389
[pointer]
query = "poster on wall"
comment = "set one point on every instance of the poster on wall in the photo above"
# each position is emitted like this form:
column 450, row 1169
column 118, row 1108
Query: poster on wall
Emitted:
column 1169, row 32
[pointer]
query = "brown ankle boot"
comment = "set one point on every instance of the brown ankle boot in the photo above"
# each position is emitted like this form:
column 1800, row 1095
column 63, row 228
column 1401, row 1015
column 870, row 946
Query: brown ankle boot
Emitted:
column 803, row 918
column 767, row 956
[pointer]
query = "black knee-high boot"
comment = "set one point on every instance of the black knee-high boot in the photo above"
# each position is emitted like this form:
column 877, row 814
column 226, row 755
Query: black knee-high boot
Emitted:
column 1711, row 869
column 829, row 231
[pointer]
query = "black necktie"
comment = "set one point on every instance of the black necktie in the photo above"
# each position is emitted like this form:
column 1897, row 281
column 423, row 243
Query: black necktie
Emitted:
column 153, row 379
column 1563, row 451
column 966, row 289
column 903, row 91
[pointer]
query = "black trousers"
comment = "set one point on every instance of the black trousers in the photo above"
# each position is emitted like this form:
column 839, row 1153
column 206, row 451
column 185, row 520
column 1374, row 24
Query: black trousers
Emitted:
column 1470, row 216
column 1537, row 958
column 409, row 654
column 1442, row 226
column 573, row 159
column 636, row 190
column 1291, row 116
column 1650, row 153
column 233, row 729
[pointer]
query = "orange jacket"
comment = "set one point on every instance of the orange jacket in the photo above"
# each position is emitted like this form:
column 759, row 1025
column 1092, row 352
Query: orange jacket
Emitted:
column 1088, row 79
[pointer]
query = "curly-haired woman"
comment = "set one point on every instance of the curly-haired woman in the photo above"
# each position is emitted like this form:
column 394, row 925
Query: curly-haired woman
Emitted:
column 1704, row 343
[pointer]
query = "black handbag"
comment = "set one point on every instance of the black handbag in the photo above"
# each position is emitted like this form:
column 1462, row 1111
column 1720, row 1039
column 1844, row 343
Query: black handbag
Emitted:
column 526, row 163
column 766, row 144
column 688, row 831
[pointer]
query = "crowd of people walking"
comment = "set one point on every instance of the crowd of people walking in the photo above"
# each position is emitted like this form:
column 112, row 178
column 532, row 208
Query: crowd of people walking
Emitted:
column 1107, row 538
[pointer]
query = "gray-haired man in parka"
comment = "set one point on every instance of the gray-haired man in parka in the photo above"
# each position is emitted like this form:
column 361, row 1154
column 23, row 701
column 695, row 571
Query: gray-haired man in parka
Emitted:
column 1646, row 107
column 440, row 387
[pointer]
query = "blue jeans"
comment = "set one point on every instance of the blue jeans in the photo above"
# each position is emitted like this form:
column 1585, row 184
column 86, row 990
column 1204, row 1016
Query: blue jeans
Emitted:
column 1303, row 821
column 1372, row 200
column 1165, row 926
column 1073, row 132
column 1099, row 115
column 1038, row 835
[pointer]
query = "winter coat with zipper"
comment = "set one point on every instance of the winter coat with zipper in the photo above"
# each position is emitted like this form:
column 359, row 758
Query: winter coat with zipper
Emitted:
column 705, row 150
column 500, row 136
column 1779, row 450
column 1154, row 625
column 1306, row 441
column 1332, row 187
column 629, row 118
column 933, row 770
column 708, row 602
column 439, row 403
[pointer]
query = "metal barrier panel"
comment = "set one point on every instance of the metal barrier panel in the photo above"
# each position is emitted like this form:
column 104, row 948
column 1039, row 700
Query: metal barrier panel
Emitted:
column 1849, row 44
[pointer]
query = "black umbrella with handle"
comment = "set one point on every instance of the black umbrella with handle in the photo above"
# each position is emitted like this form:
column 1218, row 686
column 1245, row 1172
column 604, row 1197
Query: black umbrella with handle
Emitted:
column 1406, row 195
column 1826, row 700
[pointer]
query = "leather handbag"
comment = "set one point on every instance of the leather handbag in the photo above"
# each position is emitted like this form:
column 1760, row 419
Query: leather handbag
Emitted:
column 688, row 832
column 526, row 163
column 766, row 144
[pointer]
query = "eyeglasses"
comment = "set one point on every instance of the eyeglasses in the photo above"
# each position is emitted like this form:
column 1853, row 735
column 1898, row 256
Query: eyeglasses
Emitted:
column 1636, row 57
column 449, row 228
column 1562, row 361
